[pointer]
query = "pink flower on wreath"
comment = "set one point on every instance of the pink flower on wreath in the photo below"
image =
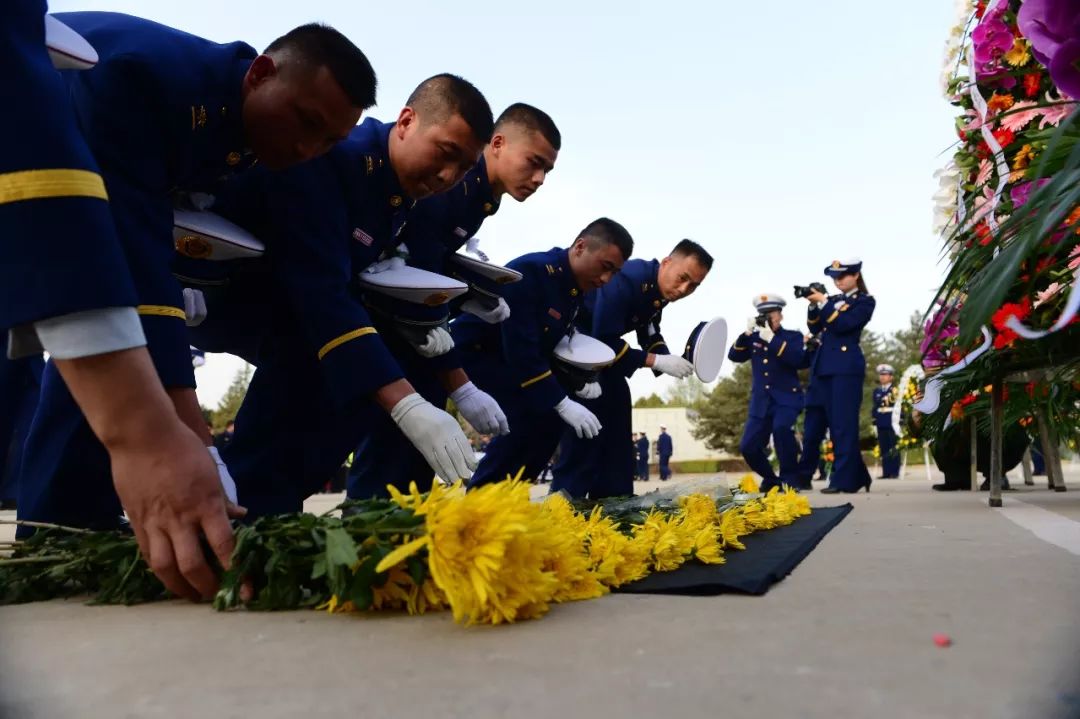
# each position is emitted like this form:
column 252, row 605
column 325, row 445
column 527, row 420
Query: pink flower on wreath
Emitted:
column 981, row 177
column 1019, row 116
column 1074, row 258
column 1054, row 114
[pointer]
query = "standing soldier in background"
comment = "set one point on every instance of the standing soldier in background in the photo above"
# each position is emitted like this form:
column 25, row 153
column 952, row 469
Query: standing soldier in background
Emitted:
column 664, row 452
column 884, row 400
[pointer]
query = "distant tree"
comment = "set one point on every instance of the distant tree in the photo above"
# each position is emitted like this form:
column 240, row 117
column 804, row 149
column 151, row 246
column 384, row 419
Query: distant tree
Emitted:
column 652, row 401
column 231, row 400
column 690, row 392
column 722, row 415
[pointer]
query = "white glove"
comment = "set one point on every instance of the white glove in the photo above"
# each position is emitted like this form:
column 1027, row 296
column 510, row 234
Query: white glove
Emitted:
column 493, row 316
column 766, row 333
column 472, row 246
column 437, row 435
column 438, row 342
column 227, row 482
column 840, row 304
column 194, row 307
column 751, row 325
column 480, row 409
column 590, row 391
column 391, row 263
column 673, row 365
column 583, row 422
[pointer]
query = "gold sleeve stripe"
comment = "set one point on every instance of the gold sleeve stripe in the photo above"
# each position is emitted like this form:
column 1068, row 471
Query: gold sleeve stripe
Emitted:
column 161, row 311
column 624, row 350
column 814, row 321
column 783, row 346
column 536, row 379
column 661, row 343
column 338, row 341
column 41, row 184
column 833, row 315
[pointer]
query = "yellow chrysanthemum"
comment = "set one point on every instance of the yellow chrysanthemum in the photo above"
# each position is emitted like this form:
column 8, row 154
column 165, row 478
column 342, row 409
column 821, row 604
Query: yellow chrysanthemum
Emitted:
column 1019, row 54
column 698, row 510
column 707, row 545
column 569, row 560
column 668, row 539
column 748, row 485
column 733, row 526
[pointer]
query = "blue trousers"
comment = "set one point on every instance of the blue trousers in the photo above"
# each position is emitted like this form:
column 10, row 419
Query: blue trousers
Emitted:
column 65, row 476
column 20, row 385
column 890, row 457
column 814, row 426
column 534, row 431
column 385, row 456
column 291, row 436
column 843, row 400
column 602, row 466
column 779, row 421
column 665, row 470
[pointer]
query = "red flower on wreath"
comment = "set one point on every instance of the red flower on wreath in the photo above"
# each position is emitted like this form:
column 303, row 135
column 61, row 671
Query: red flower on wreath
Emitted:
column 1031, row 83
column 1019, row 310
column 983, row 233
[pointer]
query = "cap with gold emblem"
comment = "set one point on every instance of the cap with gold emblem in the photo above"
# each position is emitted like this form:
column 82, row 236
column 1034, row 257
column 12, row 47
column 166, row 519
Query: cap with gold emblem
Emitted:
column 768, row 301
column 68, row 50
column 411, row 284
column 839, row 268
column 205, row 235
column 483, row 278
column 583, row 351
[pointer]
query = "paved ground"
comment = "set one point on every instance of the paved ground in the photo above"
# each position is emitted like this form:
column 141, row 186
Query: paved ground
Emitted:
column 849, row 634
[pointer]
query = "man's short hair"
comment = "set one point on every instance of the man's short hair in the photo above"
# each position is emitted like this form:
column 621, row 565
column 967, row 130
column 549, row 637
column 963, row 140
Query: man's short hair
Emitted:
column 316, row 45
column 532, row 119
column 604, row 231
column 689, row 248
column 442, row 96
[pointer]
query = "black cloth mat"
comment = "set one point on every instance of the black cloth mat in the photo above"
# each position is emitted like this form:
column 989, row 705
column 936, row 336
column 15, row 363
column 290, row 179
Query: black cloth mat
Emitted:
column 769, row 556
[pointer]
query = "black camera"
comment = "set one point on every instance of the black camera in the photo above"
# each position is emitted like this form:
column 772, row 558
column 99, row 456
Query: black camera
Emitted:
column 761, row 320
column 810, row 289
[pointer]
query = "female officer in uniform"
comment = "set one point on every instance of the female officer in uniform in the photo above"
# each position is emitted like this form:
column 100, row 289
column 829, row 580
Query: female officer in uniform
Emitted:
column 839, row 367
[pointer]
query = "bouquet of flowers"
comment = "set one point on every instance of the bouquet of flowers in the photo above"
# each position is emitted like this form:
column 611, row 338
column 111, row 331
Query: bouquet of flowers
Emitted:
column 490, row 556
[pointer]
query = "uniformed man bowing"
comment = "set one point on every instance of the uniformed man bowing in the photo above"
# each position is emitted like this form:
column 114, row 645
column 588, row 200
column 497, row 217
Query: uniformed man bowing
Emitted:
column 164, row 111
column 513, row 361
column 320, row 356
column 633, row 301
column 775, row 354
column 884, row 401
column 522, row 151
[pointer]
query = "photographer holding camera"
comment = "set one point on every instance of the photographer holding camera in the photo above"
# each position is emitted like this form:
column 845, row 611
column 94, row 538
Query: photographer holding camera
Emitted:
column 838, row 368
column 776, row 355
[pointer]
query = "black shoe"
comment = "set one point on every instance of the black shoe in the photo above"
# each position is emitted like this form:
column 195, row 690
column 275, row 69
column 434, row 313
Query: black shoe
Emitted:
column 8, row 504
column 947, row 488
column 837, row 490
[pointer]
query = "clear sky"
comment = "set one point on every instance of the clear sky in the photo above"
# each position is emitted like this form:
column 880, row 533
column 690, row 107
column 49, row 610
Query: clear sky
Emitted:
column 779, row 135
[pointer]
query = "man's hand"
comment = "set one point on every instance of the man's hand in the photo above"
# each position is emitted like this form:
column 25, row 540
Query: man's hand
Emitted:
column 172, row 493
column 437, row 435
column 584, row 423
column 438, row 342
column 766, row 334
column 816, row 297
column 392, row 263
column 166, row 479
column 673, row 365
column 194, row 307
column 591, row 390
column 480, row 409
column 492, row 316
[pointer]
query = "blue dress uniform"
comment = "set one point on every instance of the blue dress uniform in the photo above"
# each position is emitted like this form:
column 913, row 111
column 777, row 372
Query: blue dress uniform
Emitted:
column 840, row 368
column 512, row 362
column 776, row 398
column 61, row 253
column 884, row 400
column 320, row 356
column 20, row 384
column 643, row 458
column 631, row 301
column 437, row 227
column 664, row 451
column 814, row 428
column 161, row 112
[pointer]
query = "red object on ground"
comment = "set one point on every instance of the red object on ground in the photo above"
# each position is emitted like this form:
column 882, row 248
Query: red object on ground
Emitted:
column 942, row 640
